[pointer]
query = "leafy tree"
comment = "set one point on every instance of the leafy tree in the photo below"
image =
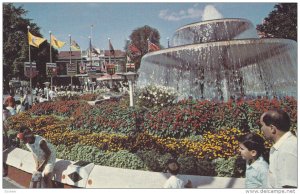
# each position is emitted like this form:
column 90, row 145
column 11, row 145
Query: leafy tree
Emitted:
column 15, row 45
column 139, row 38
column 281, row 22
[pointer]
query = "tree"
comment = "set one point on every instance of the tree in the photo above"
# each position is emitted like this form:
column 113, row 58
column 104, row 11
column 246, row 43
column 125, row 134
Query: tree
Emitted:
column 281, row 22
column 139, row 38
column 15, row 45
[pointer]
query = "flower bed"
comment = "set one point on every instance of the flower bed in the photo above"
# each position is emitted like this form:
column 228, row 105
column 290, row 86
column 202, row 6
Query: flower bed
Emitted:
column 201, row 134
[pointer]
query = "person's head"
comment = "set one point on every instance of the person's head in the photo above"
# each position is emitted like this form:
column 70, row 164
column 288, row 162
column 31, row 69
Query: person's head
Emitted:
column 25, row 134
column 251, row 146
column 274, row 122
column 173, row 166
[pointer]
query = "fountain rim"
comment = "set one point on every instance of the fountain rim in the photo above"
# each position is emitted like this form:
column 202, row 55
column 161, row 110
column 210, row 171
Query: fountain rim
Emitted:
column 225, row 42
column 212, row 21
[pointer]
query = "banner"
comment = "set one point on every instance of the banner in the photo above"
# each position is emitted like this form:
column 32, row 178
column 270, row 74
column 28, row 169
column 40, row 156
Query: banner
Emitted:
column 30, row 69
column 71, row 69
column 51, row 69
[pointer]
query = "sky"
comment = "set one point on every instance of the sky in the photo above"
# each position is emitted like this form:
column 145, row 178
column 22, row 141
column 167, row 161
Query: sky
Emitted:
column 117, row 20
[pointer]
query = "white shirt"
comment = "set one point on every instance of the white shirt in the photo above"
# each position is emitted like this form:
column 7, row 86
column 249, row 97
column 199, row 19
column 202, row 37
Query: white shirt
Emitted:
column 174, row 183
column 11, row 110
column 257, row 174
column 283, row 169
column 38, row 152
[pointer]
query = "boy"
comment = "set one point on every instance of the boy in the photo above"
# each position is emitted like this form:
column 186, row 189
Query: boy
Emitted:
column 174, row 182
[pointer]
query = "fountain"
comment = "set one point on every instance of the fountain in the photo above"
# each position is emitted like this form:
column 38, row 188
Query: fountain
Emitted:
column 218, row 59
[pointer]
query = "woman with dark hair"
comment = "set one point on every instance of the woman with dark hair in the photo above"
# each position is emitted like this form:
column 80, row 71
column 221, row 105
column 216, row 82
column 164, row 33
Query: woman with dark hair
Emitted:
column 252, row 150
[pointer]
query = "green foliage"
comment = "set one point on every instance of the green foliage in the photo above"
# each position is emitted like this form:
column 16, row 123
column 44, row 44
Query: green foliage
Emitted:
column 106, row 117
column 15, row 44
column 187, row 165
column 124, row 159
column 281, row 22
column 194, row 166
column 80, row 152
column 154, row 160
column 205, row 168
column 231, row 167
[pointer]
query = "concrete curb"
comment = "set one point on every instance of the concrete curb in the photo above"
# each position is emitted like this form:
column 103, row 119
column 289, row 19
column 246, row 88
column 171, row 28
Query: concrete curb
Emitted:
column 70, row 174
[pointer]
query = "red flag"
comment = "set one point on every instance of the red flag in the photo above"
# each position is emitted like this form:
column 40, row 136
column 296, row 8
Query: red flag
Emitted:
column 133, row 49
column 152, row 46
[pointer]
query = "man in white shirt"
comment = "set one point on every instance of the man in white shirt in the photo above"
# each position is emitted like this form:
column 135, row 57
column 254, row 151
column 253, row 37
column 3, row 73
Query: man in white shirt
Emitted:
column 283, row 154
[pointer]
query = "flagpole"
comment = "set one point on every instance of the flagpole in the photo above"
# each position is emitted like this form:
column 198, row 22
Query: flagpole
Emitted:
column 29, row 58
column 148, row 44
column 50, row 59
column 71, row 62
column 92, row 61
column 109, row 52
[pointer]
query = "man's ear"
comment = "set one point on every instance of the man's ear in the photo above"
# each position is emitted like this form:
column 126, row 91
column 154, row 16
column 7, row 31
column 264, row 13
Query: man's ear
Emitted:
column 273, row 129
column 253, row 153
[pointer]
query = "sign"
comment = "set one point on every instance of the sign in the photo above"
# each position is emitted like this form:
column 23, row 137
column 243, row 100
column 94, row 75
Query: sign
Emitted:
column 30, row 69
column 130, row 67
column 51, row 69
column 71, row 69
column 110, row 69
column 82, row 68
column 92, row 73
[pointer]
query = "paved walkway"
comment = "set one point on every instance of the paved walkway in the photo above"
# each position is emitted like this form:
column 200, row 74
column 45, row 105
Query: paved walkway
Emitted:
column 7, row 183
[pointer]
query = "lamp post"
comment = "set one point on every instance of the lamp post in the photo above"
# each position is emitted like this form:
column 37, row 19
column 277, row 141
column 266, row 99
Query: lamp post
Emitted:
column 130, row 77
column 168, row 39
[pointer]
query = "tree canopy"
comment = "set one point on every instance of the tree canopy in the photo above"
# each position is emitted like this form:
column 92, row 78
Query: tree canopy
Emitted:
column 281, row 22
column 139, row 39
column 15, row 44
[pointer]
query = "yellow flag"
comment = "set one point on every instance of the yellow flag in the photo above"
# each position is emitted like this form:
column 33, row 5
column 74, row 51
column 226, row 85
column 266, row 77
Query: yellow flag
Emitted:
column 34, row 40
column 56, row 43
column 75, row 46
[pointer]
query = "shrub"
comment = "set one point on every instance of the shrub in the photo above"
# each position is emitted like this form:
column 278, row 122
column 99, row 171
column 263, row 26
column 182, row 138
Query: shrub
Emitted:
column 124, row 159
column 80, row 152
column 230, row 167
column 154, row 160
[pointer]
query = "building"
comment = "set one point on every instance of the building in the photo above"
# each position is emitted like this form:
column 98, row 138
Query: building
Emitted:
column 89, row 65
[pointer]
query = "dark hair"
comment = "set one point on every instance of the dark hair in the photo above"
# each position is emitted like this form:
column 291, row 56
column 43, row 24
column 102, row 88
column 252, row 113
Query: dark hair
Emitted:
column 253, row 141
column 278, row 118
column 18, row 102
column 174, row 172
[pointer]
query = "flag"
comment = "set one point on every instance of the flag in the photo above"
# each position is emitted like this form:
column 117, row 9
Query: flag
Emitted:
column 111, row 48
column 152, row 46
column 74, row 45
column 134, row 50
column 34, row 40
column 56, row 43
column 92, row 49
